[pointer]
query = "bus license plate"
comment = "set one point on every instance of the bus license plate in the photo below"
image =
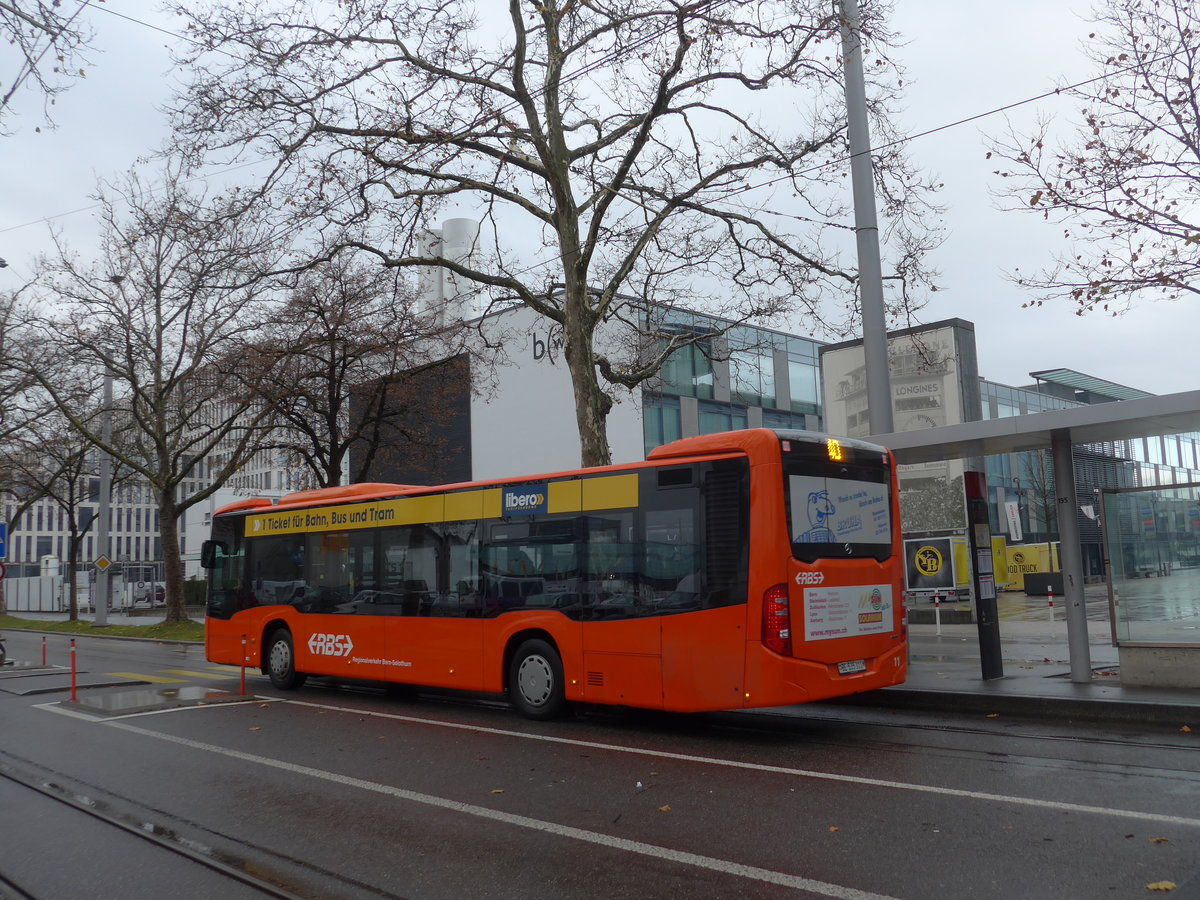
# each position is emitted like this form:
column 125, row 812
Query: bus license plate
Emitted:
column 852, row 666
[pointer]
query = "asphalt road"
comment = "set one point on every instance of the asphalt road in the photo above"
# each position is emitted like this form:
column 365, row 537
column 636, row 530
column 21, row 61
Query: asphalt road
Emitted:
column 342, row 791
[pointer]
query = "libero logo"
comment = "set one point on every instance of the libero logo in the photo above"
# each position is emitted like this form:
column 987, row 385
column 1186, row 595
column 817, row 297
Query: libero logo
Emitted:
column 525, row 501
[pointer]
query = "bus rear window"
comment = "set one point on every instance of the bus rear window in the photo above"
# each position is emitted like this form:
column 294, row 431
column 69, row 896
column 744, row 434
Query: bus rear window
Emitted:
column 838, row 509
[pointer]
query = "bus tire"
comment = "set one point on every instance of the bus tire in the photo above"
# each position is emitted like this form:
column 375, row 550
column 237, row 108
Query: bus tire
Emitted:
column 535, row 680
column 281, row 661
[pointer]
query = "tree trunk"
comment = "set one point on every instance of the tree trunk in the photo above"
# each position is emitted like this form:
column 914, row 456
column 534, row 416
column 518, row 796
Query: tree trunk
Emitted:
column 172, row 562
column 592, row 404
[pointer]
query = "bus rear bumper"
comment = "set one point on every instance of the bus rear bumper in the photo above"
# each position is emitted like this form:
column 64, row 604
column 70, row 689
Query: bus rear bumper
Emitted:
column 783, row 681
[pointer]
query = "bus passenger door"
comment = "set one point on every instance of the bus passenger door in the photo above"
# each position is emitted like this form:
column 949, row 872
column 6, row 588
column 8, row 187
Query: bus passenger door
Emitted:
column 695, row 573
column 622, row 637
column 434, row 629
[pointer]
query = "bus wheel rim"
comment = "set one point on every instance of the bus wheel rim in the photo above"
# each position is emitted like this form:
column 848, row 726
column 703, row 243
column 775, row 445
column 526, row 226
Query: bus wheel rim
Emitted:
column 280, row 658
column 535, row 680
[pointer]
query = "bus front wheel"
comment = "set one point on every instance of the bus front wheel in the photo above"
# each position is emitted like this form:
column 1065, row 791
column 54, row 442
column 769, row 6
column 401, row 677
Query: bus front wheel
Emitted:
column 281, row 661
column 535, row 680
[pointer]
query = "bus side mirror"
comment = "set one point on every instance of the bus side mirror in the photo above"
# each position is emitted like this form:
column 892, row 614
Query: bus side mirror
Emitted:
column 208, row 553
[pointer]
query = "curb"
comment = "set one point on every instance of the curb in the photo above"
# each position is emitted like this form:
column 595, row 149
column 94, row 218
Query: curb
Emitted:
column 99, row 633
column 1068, row 708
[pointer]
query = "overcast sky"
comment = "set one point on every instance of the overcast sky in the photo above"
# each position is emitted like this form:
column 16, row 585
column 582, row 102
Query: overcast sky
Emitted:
column 960, row 63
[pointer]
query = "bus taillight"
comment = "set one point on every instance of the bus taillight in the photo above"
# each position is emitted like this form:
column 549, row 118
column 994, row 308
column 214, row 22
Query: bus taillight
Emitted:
column 777, row 621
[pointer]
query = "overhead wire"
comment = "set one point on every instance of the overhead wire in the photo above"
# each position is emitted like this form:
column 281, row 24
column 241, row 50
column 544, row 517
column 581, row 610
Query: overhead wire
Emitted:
column 612, row 55
column 28, row 67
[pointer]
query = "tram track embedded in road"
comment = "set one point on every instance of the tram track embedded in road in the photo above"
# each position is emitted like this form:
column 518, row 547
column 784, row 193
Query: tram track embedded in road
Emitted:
column 168, row 839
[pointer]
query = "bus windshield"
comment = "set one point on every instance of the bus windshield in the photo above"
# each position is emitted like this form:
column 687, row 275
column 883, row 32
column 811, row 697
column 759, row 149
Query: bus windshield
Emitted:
column 839, row 501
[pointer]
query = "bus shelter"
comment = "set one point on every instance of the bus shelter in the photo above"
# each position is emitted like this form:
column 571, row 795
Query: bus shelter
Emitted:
column 1177, row 656
column 1152, row 548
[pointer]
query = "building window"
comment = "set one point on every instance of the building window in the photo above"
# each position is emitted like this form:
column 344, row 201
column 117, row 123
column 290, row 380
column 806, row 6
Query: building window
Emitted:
column 661, row 422
column 715, row 417
column 688, row 372
column 803, row 378
column 752, row 378
column 787, row 421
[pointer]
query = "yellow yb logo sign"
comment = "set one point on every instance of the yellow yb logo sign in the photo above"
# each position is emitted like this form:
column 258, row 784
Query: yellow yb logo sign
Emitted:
column 928, row 561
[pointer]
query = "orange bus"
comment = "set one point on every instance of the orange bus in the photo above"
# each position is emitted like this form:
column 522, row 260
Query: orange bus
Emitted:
column 744, row 569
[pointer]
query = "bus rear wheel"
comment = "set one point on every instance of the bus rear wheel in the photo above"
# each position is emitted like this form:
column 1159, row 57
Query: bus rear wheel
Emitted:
column 281, row 661
column 535, row 680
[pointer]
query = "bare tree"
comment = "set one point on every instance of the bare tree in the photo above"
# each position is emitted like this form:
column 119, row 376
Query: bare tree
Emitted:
column 20, row 404
column 333, row 364
column 50, row 43
column 50, row 462
column 173, row 296
column 621, row 156
column 1126, row 185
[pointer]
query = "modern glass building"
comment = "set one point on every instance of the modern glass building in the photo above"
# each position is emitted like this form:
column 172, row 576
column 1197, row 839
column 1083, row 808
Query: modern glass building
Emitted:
column 743, row 378
column 1023, row 483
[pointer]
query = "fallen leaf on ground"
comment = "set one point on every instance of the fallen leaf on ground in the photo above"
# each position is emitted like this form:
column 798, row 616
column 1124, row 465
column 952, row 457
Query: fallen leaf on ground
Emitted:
column 664, row 809
column 1160, row 840
column 256, row 728
column 833, row 828
column 498, row 791
column 1186, row 729
column 1161, row 886
column 993, row 715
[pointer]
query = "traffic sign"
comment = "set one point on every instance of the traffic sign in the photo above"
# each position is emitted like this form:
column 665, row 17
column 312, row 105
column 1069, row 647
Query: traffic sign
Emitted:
column 3, row 571
column 102, row 563
column 3, row 540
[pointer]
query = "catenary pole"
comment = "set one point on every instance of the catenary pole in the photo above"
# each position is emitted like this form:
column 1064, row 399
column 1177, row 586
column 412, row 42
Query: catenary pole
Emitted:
column 1072, row 558
column 866, row 225
column 103, row 583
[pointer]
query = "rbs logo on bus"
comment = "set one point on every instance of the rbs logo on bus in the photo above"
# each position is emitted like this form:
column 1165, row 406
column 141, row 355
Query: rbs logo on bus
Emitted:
column 525, row 501
column 330, row 644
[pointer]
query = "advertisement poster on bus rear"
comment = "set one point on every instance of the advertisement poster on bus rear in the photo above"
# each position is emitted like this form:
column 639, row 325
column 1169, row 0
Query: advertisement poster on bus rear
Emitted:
column 837, row 612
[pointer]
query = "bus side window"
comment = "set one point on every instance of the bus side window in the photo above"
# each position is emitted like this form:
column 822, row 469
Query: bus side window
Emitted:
column 611, row 579
column 460, row 559
column 276, row 568
column 410, row 555
column 672, row 561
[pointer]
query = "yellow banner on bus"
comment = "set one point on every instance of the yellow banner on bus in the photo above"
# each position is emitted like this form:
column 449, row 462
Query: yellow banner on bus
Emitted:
column 607, row 492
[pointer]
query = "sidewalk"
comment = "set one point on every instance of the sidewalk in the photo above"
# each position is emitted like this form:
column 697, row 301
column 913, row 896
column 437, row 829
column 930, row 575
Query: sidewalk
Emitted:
column 944, row 674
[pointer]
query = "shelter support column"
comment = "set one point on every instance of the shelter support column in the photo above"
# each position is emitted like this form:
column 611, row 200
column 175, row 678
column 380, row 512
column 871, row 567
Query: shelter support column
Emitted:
column 1072, row 557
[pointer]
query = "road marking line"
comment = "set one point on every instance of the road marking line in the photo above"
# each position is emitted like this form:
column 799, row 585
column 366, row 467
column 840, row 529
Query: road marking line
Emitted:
column 778, row 770
column 714, row 864
column 196, row 674
column 153, row 679
column 57, row 707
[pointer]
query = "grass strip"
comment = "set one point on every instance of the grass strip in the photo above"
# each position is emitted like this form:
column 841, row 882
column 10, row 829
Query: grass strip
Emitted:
column 163, row 631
